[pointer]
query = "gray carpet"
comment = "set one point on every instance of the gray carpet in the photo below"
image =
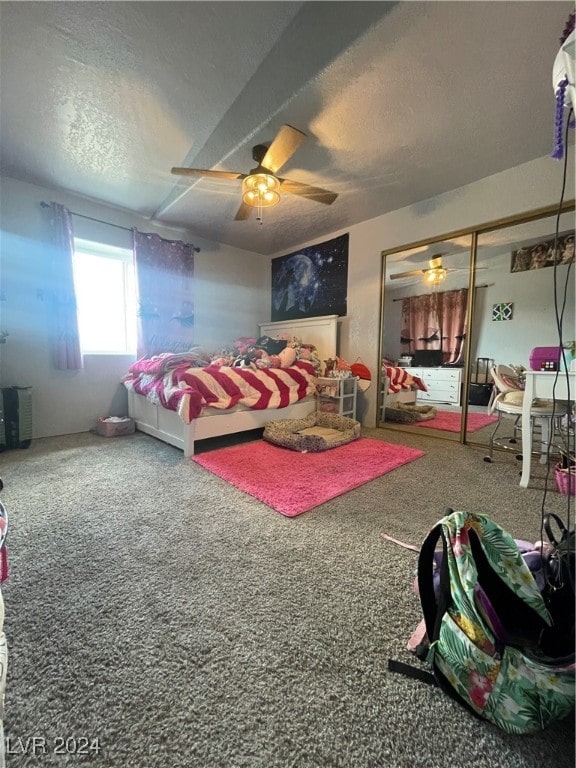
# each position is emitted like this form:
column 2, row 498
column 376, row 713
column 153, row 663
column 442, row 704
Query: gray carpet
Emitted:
column 182, row 624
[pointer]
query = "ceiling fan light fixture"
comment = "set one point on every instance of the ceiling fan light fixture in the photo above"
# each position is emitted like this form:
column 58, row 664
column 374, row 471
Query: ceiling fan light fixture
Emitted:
column 435, row 275
column 260, row 190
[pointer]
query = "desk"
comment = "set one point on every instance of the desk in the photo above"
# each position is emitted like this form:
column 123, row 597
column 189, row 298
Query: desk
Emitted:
column 541, row 384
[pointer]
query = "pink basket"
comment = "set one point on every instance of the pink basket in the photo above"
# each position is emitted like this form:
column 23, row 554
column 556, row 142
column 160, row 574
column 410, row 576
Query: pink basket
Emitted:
column 566, row 480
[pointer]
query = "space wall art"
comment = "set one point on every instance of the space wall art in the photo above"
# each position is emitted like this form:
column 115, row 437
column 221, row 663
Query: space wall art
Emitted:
column 312, row 281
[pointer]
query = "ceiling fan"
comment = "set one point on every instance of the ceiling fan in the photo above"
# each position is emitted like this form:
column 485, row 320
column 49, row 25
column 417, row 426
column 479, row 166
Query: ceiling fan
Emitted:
column 261, row 186
column 434, row 274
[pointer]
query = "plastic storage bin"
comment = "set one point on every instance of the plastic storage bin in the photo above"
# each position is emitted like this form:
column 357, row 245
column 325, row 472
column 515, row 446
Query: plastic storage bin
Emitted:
column 566, row 480
column 542, row 355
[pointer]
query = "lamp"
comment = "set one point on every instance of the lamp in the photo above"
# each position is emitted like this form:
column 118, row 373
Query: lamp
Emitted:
column 260, row 190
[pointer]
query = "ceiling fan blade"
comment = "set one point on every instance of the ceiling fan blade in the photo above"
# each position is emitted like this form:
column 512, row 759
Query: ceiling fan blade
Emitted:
column 205, row 172
column 285, row 143
column 243, row 212
column 408, row 274
column 317, row 194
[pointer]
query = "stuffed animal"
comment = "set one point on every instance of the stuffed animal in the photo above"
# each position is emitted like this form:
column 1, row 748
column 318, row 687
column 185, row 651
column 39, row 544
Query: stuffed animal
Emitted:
column 220, row 361
column 287, row 357
column 243, row 343
column 330, row 363
column 341, row 369
column 264, row 360
column 248, row 358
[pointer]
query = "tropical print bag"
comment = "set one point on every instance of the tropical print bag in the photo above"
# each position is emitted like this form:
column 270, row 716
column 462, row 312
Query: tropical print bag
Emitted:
column 484, row 624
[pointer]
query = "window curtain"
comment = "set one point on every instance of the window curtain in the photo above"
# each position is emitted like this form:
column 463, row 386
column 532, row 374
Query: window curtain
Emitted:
column 68, row 356
column 435, row 321
column 164, row 279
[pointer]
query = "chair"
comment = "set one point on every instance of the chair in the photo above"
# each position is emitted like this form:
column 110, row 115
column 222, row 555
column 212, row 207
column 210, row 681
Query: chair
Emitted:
column 507, row 398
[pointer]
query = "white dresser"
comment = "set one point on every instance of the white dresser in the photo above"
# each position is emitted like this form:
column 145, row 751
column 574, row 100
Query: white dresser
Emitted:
column 444, row 384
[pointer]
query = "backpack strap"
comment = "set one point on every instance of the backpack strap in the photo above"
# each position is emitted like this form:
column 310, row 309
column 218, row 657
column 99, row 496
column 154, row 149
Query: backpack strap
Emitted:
column 409, row 671
column 433, row 608
column 431, row 611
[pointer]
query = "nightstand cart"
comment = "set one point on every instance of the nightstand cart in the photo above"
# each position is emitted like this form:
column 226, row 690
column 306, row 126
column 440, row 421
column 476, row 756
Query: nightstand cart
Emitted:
column 338, row 396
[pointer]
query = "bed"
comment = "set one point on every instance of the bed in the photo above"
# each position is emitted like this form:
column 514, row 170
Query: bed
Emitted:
column 399, row 387
column 167, row 423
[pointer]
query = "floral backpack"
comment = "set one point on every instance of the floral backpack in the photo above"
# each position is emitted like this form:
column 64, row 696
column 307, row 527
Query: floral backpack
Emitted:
column 484, row 622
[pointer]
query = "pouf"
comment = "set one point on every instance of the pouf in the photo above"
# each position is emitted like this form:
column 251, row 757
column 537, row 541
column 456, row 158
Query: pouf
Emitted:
column 314, row 433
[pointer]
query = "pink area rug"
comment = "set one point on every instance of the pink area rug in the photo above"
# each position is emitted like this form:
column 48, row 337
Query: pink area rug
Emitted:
column 310, row 479
column 450, row 422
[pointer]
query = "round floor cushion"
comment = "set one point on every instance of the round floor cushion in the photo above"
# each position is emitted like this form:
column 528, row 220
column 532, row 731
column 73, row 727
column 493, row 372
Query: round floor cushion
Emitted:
column 317, row 432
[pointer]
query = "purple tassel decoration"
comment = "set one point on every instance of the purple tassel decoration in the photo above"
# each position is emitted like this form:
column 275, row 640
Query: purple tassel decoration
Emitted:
column 558, row 152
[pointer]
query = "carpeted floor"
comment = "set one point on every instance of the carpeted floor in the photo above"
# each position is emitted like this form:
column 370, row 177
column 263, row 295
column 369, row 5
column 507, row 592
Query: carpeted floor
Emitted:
column 312, row 478
column 183, row 624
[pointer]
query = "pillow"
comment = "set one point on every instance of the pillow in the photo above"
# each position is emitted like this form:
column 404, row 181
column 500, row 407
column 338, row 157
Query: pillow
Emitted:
column 513, row 398
column 272, row 346
column 324, row 432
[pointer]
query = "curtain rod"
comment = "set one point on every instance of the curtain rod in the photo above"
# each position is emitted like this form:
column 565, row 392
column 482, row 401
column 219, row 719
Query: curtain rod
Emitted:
column 44, row 204
column 456, row 289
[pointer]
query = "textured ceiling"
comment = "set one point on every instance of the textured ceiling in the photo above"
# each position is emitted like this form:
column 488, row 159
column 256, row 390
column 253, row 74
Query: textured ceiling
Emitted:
column 399, row 101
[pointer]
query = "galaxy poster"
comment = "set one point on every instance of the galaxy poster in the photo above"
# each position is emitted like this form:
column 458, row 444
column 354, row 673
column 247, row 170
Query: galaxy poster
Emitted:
column 312, row 281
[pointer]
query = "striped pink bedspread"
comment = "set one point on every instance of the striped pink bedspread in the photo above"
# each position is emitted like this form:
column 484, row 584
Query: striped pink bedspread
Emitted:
column 399, row 379
column 188, row 390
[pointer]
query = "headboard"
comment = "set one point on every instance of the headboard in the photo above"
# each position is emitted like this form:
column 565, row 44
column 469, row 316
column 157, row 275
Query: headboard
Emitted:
column 320, row 331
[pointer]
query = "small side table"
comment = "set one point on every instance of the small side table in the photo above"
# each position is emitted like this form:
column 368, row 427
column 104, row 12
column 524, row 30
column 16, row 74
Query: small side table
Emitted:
column 338, row 396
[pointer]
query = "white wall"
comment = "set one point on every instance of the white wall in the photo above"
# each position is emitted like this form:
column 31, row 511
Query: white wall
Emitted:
column 527, row 187
column 231, row 289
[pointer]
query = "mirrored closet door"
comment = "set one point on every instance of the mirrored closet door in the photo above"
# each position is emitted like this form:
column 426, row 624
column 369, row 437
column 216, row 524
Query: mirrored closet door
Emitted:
column 454, row 306
column 524, row 292
column 425, row 319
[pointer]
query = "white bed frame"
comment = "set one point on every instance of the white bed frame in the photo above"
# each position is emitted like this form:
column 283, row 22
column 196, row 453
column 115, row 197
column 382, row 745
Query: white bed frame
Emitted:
column 168, row 426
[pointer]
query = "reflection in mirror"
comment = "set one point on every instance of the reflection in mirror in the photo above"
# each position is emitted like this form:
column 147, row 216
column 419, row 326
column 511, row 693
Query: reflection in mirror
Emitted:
column 425, row 304
column 525, row 285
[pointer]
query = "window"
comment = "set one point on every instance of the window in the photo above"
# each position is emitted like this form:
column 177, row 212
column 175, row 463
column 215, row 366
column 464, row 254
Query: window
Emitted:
column 105, row 285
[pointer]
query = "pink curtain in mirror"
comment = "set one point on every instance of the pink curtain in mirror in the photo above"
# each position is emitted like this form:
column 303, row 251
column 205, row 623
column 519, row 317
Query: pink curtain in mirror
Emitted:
column 67, row 353
column 435, row 320
column 453, row 323
column 420, row 323
column 164, row 278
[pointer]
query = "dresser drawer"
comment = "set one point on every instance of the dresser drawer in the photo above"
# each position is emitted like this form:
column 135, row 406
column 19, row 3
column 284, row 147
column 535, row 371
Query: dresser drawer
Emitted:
column 441, row 374
column 441, row 395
